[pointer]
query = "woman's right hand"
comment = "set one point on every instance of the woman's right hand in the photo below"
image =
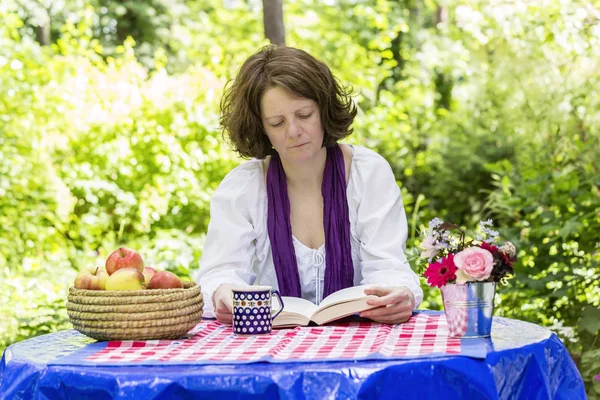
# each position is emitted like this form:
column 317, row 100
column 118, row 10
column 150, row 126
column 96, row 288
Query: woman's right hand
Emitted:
column 223, row 301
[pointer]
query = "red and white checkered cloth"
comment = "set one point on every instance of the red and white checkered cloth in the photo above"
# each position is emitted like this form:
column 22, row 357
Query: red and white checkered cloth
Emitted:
column 210, row 341
column 457, row 315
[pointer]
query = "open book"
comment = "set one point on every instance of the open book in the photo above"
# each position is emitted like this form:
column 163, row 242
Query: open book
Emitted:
column 345, row 302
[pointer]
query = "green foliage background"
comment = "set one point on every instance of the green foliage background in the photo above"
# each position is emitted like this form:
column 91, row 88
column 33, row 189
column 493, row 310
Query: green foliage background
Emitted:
column 110, row 136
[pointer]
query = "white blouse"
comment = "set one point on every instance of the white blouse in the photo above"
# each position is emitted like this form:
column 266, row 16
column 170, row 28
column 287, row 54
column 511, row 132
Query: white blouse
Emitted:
column 238, row 250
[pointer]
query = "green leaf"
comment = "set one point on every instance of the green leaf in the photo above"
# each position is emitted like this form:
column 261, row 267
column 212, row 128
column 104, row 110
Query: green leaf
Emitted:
column 590, row 320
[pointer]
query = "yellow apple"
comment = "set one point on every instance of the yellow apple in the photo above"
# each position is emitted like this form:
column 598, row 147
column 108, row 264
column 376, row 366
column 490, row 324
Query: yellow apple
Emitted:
column 93, row 278
column 102, row 276
column 125, row 279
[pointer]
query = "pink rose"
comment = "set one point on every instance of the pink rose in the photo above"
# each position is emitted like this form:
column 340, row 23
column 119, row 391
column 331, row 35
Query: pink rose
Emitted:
column 474, row 264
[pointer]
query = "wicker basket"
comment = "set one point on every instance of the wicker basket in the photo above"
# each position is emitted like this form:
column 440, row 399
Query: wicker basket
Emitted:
column 136, row 314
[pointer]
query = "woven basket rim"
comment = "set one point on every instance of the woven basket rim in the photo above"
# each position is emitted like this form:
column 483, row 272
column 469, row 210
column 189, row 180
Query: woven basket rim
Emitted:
column 123, row 300
column 187, row 285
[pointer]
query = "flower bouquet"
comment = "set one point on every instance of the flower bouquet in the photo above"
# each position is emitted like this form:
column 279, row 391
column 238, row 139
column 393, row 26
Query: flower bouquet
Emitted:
column 466, row 270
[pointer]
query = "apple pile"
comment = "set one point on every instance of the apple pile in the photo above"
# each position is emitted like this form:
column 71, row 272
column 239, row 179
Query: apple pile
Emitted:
column 125, row 270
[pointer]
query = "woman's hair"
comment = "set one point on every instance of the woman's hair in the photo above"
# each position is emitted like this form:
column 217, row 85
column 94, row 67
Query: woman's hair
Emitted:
column 291, row 69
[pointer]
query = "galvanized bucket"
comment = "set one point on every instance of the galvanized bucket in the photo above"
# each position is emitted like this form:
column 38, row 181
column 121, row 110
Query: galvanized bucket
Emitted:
column 469, row 308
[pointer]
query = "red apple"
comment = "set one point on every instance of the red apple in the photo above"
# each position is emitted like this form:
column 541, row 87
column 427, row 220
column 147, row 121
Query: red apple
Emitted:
column 124, row 257
column 125, row 279
column 148, row 274
column 91, row 278
column 165, row 280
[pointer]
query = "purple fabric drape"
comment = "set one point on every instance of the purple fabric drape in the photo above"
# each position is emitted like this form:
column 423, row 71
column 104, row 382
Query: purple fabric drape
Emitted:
column 339, row 271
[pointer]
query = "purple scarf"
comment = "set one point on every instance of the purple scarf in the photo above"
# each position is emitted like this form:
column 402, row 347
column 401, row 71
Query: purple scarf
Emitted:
column 339, row 271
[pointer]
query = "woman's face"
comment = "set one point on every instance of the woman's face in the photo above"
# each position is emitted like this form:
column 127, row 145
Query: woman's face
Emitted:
column 292, row 123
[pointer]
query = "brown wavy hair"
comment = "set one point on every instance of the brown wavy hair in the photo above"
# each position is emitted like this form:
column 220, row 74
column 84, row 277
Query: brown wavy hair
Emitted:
column 292, row 69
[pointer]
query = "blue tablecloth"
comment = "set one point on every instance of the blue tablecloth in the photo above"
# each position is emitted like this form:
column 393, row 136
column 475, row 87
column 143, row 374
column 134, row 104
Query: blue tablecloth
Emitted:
column 524, row 361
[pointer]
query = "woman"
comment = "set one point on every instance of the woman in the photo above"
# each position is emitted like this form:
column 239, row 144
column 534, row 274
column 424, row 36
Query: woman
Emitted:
column 305, row 215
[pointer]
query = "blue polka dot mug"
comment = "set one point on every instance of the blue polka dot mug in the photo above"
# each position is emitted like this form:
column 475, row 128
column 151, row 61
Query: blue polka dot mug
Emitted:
column 252, row 311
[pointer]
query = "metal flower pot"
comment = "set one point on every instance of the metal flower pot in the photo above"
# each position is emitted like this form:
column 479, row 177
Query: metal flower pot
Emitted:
column 469, row 308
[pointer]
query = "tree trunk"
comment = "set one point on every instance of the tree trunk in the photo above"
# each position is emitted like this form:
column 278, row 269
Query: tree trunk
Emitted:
column 443, row 83
column 273, row 21
column 441, row 15
column 43, row 34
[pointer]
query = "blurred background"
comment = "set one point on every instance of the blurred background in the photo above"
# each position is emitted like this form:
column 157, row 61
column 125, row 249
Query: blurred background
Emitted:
column 109, row 135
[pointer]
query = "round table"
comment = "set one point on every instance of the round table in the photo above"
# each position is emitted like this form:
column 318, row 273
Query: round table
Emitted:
column 524, row 361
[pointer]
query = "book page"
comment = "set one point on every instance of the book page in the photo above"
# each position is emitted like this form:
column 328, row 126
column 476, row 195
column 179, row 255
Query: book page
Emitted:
column 344, row 295
column 296, row 311
column 341, row 310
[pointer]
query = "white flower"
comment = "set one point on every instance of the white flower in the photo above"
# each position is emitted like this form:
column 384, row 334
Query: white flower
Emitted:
column 509, row 249
column 428, row 246
column 462, row 277
column 434, row 223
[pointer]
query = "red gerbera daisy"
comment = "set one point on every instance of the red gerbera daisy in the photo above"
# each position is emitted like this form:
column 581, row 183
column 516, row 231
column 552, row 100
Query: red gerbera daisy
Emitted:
column 440, row 273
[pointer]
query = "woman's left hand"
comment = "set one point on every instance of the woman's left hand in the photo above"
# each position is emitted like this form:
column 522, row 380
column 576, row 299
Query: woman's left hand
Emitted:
column 395, row 304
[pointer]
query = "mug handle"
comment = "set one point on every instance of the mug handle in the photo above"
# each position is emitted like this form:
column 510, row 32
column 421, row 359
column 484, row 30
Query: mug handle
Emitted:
column 276, row 292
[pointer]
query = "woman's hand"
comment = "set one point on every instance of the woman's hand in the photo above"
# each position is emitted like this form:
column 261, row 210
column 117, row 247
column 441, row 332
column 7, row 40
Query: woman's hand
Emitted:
column 396, row 304
column 223, row 301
